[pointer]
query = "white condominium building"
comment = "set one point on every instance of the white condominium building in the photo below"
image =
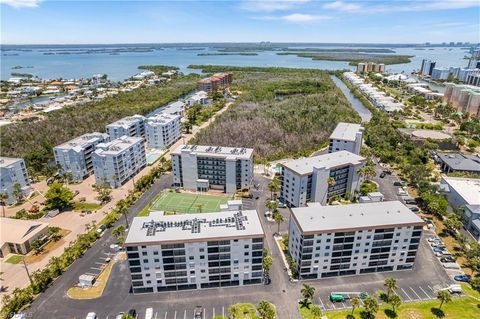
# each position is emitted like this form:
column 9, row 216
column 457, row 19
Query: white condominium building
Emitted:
column 162, row 130
column 119, row 160
column 207, row 250
column 329, row 241
column 319, row 178
column 75, row 156
column 200, row 168
column 13, row 171
column 128, row 126
column 346, row 137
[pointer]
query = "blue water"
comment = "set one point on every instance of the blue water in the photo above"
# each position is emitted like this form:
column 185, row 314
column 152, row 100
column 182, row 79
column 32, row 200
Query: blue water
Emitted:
column 124, row 65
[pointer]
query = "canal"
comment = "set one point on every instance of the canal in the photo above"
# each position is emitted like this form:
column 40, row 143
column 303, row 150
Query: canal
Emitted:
column 358, row 106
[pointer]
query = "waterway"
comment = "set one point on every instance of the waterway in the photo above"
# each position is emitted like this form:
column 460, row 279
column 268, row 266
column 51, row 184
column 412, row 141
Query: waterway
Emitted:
column 119, row 66
column 358, row 106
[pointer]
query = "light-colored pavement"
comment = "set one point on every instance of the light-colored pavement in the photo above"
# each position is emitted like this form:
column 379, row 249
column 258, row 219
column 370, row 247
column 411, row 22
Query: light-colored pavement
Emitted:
column 15, row 276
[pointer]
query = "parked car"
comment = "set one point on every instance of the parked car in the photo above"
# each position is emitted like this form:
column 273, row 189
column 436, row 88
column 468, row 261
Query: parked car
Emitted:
column 133, row 313
column 462, row 278
column 91, row 315
column 198, row 313
column 451, row 265
column 438, row 249
column 447, row 260
column 397, row 184
column 410, row 201
column 388, row 172
column 119, row 315
column 281, row 204
column 432, row 239
column 382, row 175
column 415, row 209
column 101, row 229
column 149, row 313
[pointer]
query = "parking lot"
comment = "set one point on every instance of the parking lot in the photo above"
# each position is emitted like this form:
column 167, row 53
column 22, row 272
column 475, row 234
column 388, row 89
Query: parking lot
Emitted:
column 186, row 313
column 98, row 265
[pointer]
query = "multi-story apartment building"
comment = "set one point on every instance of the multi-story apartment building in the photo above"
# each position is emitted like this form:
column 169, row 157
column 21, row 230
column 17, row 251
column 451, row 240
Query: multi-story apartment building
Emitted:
column 200, row 168
column 370, row 67
column 329, row 241
column 128, row 126
column 473, row 78
column 427, row 67
column 319, row 178
column 13, row 171
column 346, row 137
column 440, row 73
column 179, row 252
column 162, row 130
column 218, row 81
column 465, row 98
column 75, row 156
column 116, row 162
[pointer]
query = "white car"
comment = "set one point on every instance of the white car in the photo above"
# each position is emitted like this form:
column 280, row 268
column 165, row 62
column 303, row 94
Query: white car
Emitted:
column 451, row 266
column 91, row 315
column 149, row 313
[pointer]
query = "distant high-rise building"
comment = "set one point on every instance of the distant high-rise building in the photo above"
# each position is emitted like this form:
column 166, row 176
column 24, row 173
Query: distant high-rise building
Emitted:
column 13, row 171
column 474, row 61
column 427, row 67
column 440, row 73
column 128, row 126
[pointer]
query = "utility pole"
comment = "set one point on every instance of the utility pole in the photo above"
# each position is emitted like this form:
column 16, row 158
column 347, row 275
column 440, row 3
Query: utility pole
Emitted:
column 26, row 269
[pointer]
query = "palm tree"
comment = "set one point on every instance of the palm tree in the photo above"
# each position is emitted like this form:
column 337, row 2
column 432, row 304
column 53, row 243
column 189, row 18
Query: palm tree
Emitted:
column 307, row 292
column 274, row 187
column 395, row 301
column 356, row 303
column 444, row 297
column 124, row 211
column 3, row 200
column 391, row 285
column 316, row 311
column 17, row 191
column 271, row 205
column 278, row 219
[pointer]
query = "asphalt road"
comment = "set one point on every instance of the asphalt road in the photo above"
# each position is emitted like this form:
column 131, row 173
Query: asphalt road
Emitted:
column 416, row 284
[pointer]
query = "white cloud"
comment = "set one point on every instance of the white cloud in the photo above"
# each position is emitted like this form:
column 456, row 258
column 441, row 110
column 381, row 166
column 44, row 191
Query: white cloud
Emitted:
column 342, row 6
column 271, row 5
column 296, row 18
column 409, row 6
column 21, row 3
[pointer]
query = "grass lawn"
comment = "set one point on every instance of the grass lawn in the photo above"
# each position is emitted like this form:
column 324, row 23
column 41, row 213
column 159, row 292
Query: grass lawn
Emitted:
column 15, row 259
column 186, row 203
column 467, row 307
column 86, row 206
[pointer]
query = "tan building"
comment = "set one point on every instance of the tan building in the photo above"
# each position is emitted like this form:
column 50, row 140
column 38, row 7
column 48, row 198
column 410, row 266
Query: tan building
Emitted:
column 218, row 81
column 464, row 98
column 370, row 67
column 17, row 236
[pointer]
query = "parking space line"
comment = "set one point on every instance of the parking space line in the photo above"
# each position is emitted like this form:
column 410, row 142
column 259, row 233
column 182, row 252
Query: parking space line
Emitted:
column 155, row 315
column 213, row 311
column 204, row 314
column 165, row 315
column 430, row 288
column 321, row 303
column 175, row 317
column 96, row 268
column 428, row 296
column 185, row 314
column 410, row 299
column 99, row 263
column 419, row 298
column 223, row 311
column 343, row 305
column 333, row 306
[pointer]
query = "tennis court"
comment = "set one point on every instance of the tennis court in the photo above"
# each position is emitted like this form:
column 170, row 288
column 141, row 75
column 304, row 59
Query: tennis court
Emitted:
column 189, row 203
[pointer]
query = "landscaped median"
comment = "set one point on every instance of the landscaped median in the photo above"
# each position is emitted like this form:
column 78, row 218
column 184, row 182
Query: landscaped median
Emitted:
column 98, row 287
column 465, row 307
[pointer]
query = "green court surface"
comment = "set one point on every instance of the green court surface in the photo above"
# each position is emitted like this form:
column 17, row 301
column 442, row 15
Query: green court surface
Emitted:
column 188, row 203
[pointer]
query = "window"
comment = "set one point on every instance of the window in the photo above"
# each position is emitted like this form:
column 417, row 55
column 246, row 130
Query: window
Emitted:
column 144, row 253
column 202, row 257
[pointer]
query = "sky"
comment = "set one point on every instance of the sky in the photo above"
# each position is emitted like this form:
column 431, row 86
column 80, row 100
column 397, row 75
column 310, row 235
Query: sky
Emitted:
column 88, row 21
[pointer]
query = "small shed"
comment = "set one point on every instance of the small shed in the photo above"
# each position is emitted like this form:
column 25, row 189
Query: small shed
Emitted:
column 86, row 281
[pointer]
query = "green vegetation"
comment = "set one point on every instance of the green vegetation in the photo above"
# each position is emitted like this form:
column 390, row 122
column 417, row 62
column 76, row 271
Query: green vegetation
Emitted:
column 352, row 57
column 368, row 187
column 458, row 308
column 338, row 50
column 158, row 69
column 24, row 214
column 314, row 312
column 86, row 206
column 57, row 265
column 280, row 113
column 188, row 203
column 34, row 141
column 242, row 311
column 15, row 259
column 22, row 75
column 58, row 197
column 198, row 114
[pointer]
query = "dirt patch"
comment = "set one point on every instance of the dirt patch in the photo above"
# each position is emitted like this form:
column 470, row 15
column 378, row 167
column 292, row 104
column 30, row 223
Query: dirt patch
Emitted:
column 31, row 258
column 412, row 314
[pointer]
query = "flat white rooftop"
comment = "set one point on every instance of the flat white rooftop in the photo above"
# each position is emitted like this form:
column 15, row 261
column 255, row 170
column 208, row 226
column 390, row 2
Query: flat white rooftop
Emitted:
column 216, row 151
column 126, row 122
column 467, row 188
column 330, row 219
column 82, row 141
column 162, row 118
column 7, row 161
column 163, row 229
column 117, row 146
column 346, row 131
column 305, row 165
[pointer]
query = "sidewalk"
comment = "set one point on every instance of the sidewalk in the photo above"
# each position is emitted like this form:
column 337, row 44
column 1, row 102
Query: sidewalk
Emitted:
column 15, row 276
